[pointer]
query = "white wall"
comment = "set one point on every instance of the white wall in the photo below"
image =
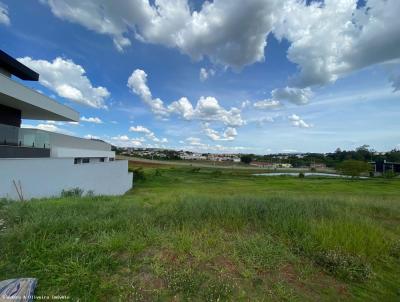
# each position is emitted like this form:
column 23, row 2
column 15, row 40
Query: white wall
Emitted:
column 62, row 145
column 75, row 152
column 67, row 141
column 47, row 177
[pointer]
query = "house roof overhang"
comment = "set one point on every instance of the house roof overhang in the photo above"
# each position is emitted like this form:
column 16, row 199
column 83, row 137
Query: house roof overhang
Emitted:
column 16, row 68
column 33, row 105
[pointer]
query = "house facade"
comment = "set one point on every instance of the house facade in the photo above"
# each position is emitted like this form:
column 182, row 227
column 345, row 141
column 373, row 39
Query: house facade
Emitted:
column 270, row 165
column 37, row 163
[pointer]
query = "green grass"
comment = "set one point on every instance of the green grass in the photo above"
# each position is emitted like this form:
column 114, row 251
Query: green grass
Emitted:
column 185, row 234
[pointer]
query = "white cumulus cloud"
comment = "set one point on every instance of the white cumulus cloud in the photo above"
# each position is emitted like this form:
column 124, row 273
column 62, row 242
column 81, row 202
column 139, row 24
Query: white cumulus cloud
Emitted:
column 328, row 39
column 264, row 120
column 333, row 38
column 205, row 74
column 267, row 104
column 68, row 80
column 296, row 121
column 89, row 136
column 207, row 108
column 4, row 18
column 94, row 120
column 194, row 141
column 232, row 33
column 137, row 82
column 149, row 134
column 48, row 127
column 296, row 96
column 125, row 141
column 228, row 134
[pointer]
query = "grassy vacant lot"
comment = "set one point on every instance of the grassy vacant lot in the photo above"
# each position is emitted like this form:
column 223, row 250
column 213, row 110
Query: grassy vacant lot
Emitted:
column 207, row 235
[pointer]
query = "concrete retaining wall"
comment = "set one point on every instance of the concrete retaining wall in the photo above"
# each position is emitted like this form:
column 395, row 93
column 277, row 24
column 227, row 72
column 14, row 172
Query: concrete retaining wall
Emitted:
column 47, row 177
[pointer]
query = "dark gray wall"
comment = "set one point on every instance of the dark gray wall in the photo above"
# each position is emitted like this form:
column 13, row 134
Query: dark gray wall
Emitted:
column 23, row 152
column 10, row 116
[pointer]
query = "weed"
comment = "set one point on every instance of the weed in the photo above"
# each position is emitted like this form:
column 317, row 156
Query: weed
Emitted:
column 187, row 281
column 395, row 249
column 217, row 290
column 347, row 267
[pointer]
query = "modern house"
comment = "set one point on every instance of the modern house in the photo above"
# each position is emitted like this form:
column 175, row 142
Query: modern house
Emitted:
column 383, row 166
column 36, row 163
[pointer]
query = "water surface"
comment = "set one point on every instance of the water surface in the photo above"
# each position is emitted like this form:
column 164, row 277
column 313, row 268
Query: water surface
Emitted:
column 305, row 174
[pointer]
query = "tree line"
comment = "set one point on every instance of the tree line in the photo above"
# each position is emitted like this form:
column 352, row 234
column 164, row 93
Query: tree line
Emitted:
column 363, row 153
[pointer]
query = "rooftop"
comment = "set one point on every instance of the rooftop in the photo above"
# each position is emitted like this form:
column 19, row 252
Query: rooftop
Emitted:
column 16, row 68
column 32, row 104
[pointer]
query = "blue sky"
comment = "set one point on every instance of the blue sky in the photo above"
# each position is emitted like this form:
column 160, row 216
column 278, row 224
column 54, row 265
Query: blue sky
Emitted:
column 298, row 76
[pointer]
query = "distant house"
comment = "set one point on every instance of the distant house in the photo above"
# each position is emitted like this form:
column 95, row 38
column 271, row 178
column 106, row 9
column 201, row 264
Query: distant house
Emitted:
column 284, row 165
column 317, row 166
column 192, row 156
column 269, row 165
column 36, row 163
column 223, row 157
column 261, row 164
column 385, row 166
column 236, row 159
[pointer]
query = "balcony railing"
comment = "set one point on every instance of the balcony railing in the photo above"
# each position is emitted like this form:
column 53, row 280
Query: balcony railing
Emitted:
column 21, row 137
column 45, row 143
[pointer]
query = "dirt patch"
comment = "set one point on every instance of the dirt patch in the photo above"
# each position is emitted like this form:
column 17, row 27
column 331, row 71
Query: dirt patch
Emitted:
column 225, row 266
column 144, row 164
column 168, row 256
column 150, row 281
column 288, row 273
column 326, row 281
column 311, row 287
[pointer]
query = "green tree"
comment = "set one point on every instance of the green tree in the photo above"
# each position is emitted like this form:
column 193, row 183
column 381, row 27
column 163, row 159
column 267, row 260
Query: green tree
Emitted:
column 363, row 153
column 354, row 168
column 246, row 159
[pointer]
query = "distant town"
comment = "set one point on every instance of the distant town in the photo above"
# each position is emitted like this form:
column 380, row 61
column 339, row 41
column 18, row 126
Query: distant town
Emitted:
column 317, row 161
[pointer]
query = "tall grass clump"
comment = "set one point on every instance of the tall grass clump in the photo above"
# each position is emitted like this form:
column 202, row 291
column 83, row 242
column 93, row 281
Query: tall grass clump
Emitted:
column 344, row 244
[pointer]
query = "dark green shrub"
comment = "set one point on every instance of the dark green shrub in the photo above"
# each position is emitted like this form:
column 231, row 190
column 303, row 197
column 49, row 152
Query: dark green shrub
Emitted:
column 301, row 175
column 74, row 192
column 354, row 168
column 138, row 174
column 157, row 172
column 246, row 159
column 389, row 174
